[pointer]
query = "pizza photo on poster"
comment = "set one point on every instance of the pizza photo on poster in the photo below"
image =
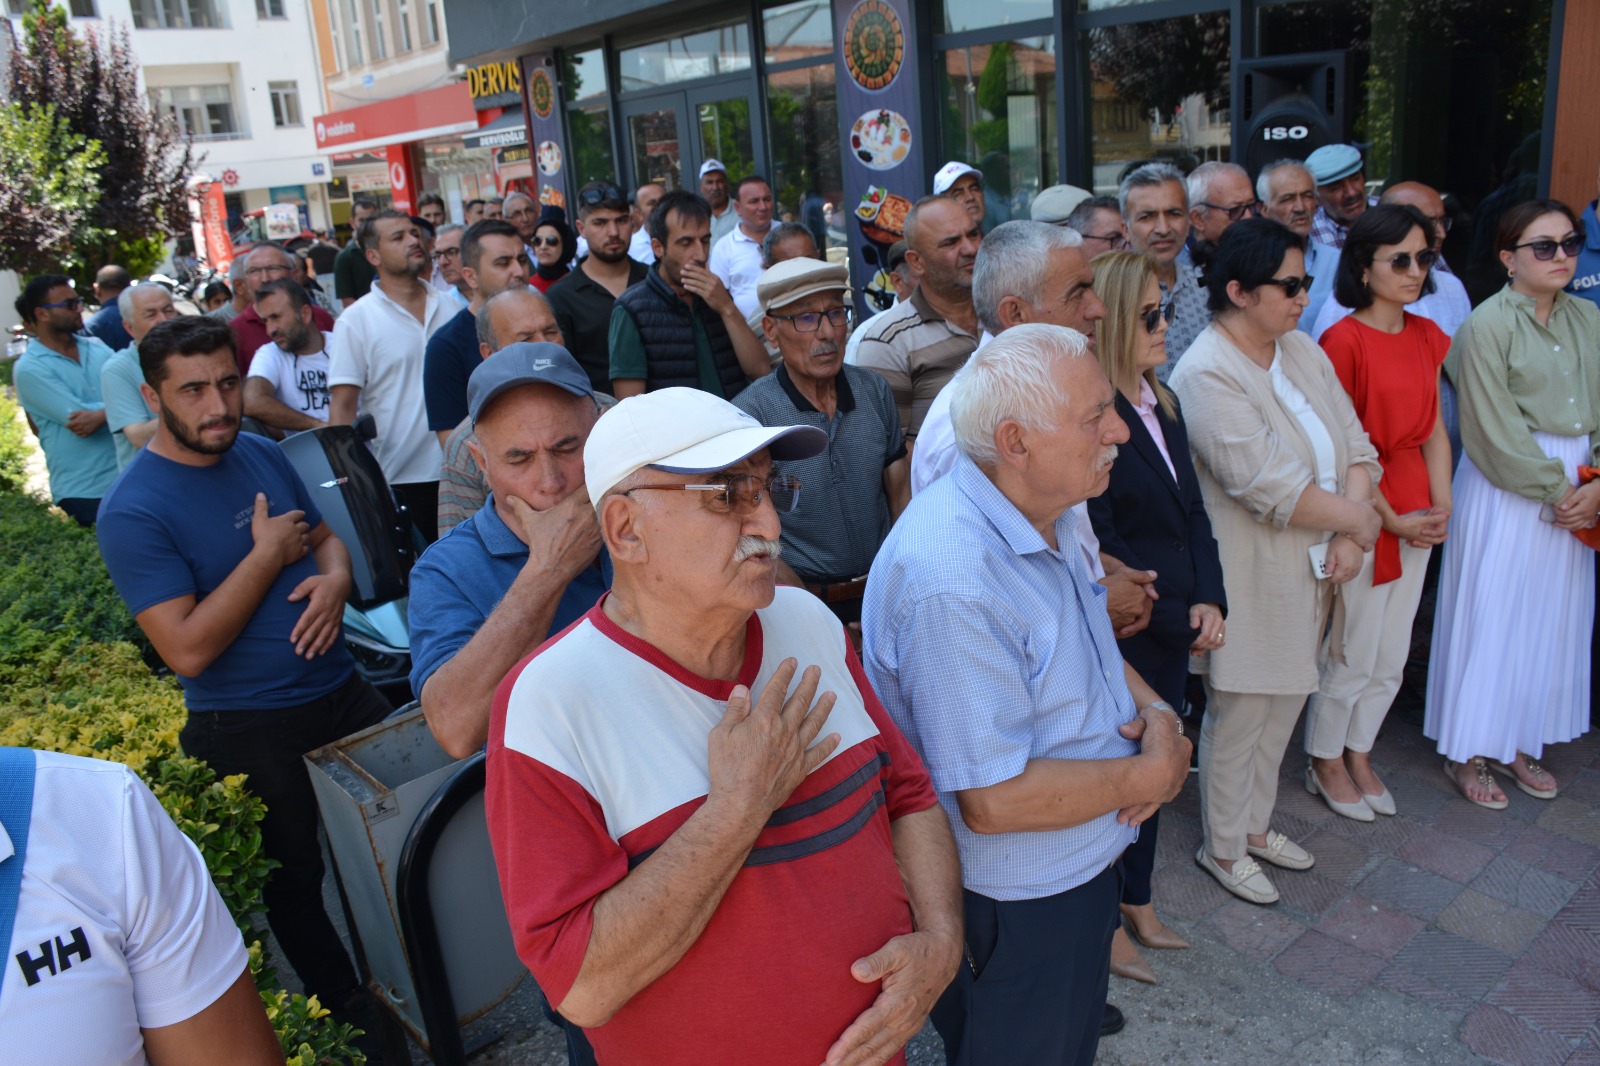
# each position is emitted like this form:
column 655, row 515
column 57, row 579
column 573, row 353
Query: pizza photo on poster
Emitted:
column 874, row 45
column 549, row 158
column 881, row 139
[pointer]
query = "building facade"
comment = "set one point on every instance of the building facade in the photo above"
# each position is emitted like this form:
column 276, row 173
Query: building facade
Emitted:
column 240, row 77
column 403, row 119
column 849, row 106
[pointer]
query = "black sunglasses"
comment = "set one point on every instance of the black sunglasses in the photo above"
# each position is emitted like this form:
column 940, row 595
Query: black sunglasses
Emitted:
column 1291, row 287
column 1546, row 249
column 1152, row 319
column 548, row 242
column 1402, row 262
column 595, row 195
column 1236, row 212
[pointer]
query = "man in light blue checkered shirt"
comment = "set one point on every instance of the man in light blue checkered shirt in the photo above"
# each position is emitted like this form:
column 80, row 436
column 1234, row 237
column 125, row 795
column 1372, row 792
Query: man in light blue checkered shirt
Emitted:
column 991, row 648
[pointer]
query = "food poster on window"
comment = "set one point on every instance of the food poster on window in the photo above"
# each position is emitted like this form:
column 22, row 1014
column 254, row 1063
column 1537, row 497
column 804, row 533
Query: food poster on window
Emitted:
column 883, row 167
column 541, row 93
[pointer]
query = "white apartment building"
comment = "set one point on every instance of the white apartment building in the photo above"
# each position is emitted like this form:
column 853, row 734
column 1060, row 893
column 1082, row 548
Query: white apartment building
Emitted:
column 242, row 77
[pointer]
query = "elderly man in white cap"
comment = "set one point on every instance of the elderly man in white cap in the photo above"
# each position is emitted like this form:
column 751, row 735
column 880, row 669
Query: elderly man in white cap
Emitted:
column 1341, row 177
column 715, row 191
column 740, row 828
column 963, row 184
column 861, row 482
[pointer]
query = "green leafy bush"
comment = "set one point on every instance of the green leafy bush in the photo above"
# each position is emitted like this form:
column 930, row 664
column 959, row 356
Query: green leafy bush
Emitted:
column 14, row 446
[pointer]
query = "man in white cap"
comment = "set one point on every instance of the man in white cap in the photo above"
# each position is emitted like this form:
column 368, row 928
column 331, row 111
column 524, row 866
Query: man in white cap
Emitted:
column 1341, row 178
column 861, row 482
column 1055, row 205
column 964, row 185
column 714, row 190
column 736, row 818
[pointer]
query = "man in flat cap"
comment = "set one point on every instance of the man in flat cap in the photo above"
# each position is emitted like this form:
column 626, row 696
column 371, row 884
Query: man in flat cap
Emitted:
column 747, row 853
column 529, row 562
column 861, row 482
column 1341, row 177
column 1055, row 205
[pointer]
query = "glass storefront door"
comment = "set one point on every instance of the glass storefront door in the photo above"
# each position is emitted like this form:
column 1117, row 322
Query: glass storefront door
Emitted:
column 668, row 135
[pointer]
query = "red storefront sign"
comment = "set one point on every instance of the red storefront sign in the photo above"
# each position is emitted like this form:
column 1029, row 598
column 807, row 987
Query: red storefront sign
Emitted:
column 433, row 113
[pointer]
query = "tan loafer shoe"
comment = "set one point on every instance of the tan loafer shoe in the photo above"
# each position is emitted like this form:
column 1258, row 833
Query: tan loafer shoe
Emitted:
column 1247, row 881
column 1281, row 851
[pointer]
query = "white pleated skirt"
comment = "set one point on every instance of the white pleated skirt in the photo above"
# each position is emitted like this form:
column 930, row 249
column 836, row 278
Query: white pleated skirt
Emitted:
column 1509, row 666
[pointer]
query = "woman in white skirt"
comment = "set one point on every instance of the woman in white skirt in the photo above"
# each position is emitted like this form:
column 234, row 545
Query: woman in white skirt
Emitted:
column 1509, row 670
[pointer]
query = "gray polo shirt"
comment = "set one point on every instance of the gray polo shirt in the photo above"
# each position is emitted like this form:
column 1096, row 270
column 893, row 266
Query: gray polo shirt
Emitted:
column 843, row 515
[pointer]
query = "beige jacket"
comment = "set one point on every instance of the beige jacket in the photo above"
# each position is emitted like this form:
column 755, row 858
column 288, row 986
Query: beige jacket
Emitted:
column 1254, row 461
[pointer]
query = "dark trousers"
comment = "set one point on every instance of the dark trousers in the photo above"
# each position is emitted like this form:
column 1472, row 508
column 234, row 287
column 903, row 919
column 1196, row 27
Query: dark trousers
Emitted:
column 1032, row 988
column 421, row 500
column 81, row 510
column 1165, row 669
column 268, row 746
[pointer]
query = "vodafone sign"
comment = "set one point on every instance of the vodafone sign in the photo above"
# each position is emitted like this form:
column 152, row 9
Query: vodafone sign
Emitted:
column 397, row 177
column 436, row 112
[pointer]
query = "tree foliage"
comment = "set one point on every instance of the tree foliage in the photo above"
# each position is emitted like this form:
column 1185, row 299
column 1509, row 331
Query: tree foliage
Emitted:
column 46, row 217
column 92, row 81
column 1157, row 64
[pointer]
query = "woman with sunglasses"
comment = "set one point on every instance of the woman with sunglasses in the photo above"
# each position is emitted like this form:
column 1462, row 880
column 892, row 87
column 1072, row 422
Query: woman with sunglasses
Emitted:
column 1152, row 517
column 1388, row 361
column 1509, row 669
column 1287, row 475
column 555, row 246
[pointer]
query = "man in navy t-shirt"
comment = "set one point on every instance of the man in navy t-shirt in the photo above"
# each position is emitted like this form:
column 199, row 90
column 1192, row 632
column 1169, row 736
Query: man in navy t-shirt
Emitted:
column 225, row 562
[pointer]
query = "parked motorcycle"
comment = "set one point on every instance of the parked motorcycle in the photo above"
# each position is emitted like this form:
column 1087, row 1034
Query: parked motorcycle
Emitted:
column 348, row 487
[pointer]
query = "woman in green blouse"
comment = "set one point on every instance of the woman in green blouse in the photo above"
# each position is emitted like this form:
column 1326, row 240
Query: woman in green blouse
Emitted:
column 1509, row 670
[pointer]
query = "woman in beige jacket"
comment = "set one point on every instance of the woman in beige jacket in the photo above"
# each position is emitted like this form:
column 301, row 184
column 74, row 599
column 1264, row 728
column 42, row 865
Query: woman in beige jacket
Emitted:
column 1287, row 473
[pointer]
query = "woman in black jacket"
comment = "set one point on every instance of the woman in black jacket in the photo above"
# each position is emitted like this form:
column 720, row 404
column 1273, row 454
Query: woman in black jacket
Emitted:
column 1152, row 518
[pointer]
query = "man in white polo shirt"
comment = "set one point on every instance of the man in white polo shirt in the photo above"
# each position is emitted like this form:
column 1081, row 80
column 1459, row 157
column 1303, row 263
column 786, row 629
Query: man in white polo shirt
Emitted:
column 121, row 951
column 376, row 365
column 287, row 387
column 736, row 258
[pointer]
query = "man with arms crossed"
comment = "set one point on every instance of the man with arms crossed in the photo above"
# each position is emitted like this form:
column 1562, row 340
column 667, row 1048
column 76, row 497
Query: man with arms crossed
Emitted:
column 992, row 650
column 224, row 561
column 731, row 843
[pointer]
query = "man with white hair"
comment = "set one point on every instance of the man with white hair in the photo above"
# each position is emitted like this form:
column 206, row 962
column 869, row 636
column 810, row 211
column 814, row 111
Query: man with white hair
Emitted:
column 991, row 648
column 1219, row 195
column 129, row 418
column 1288, row 194
column 1155, row 205
column 726, row 836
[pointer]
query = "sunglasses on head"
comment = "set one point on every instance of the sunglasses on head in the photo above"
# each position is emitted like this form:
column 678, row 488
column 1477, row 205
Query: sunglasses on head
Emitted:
column 1402, row 262
column 1291, row 287
column 596, row 195
column 1152, row 319
column 1546, row 248
column 548, row 242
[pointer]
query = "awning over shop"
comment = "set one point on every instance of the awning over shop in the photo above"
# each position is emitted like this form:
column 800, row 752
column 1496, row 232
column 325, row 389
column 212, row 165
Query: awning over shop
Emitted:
column 433, row 113
column 509, row 129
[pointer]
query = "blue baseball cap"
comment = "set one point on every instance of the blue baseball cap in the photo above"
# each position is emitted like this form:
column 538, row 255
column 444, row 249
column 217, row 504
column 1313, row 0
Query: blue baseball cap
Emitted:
column 524, row 363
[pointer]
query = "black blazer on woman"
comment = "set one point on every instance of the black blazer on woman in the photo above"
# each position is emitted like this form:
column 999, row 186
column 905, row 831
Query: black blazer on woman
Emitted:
column 1151, row 522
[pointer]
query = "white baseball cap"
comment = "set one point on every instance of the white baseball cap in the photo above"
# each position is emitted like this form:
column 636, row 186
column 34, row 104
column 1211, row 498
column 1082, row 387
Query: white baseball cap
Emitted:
column 949, row 174
column 683, row 431
column 712, row 164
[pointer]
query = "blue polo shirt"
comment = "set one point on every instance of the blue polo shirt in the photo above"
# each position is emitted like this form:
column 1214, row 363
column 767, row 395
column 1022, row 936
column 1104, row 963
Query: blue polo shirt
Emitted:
column 463, row 576
column 50, row 387
column 447, row 362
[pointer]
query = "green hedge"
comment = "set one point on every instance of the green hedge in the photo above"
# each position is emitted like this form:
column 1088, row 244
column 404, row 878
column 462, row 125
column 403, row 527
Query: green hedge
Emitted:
column 74, row 679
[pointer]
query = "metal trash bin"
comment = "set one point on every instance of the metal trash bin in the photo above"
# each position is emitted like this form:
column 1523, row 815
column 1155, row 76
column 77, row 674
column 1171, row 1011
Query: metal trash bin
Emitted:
column 377, row 790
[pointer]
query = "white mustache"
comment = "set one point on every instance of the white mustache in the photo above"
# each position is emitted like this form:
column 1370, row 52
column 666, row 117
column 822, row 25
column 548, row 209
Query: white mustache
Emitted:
column 749, row 546
column 1108, row 458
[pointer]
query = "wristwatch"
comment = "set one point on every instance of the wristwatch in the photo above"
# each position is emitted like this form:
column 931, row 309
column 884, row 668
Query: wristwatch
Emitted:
column 1165, row 706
